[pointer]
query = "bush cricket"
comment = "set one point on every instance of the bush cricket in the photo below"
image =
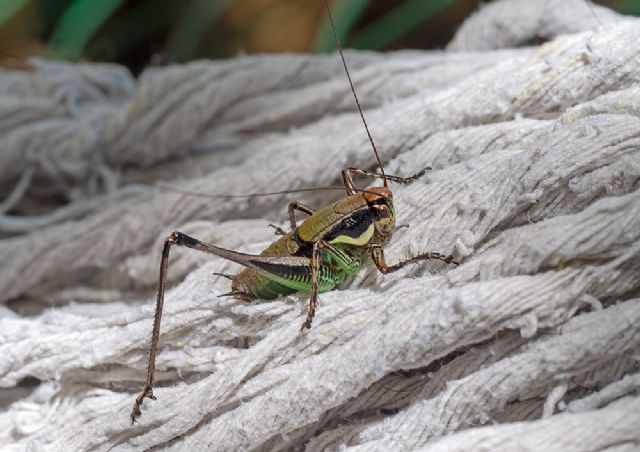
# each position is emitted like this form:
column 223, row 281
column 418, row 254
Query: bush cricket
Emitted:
column 316, row 256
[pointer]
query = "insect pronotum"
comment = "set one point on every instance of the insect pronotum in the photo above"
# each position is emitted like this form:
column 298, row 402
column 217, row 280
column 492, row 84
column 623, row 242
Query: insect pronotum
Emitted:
column 314, row 257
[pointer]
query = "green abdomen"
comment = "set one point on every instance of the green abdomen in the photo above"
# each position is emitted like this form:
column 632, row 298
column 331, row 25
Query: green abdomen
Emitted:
column 267, row 286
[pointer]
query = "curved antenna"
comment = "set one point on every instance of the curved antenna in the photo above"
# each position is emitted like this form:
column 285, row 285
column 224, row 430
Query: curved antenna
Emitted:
column 344, row 63
column 173, row 189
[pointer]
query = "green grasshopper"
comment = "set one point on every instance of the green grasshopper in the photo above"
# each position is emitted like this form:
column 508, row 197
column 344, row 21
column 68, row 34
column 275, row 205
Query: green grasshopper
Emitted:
column 332, row 243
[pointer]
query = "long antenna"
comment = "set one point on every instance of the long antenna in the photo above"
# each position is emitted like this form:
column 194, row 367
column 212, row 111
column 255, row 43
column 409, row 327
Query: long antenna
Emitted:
column 344, row 63
column 173, row 189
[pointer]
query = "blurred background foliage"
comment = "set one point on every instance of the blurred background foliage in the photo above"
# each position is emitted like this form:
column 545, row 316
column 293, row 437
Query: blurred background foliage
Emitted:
column 138, row 33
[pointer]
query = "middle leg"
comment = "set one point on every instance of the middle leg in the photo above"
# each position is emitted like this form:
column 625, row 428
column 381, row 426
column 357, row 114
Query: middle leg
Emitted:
column 293, row 206
column 345, row 263
column 297, row 205
column 313, row 299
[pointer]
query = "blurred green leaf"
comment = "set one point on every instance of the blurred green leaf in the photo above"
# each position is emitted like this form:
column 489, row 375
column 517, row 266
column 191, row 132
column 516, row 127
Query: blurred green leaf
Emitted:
column 132, row 28
column 630, row 7
column 78, row 24
column 49, row 12
column 344, row 13
column 191, row 26
column 396, row 23
column 9, row 7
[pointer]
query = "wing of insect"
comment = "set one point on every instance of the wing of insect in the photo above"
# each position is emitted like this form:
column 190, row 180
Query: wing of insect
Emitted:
column 311, row 258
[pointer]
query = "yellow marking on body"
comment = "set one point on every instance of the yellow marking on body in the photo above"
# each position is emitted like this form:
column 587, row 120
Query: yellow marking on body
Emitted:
column 361, row 240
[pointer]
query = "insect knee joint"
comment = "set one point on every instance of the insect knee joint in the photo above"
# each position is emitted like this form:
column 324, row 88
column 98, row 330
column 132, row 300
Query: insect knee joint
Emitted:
column 179, row 238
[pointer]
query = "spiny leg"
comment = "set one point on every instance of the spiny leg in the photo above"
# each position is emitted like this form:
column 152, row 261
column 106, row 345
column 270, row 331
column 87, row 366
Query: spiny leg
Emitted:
column 377, row 254
column 297, row 205
column 293, row 206
column 313, row 299
column 343, row 260
column 348, row 173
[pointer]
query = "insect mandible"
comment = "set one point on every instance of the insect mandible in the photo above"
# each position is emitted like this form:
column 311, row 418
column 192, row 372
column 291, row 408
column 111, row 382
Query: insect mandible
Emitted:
column 332, row 243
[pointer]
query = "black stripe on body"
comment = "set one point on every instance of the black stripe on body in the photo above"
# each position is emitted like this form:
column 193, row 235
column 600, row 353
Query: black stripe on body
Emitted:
column 305, row 249
column 353, row 225
column 298, row 273
column 295, row 272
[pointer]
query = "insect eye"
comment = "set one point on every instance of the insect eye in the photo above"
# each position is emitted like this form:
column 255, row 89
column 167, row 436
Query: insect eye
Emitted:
column 383, row 211
column 384, row 220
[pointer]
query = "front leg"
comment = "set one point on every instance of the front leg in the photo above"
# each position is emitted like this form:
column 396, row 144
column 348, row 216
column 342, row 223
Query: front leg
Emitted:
column 377, row 254
column 348, row 173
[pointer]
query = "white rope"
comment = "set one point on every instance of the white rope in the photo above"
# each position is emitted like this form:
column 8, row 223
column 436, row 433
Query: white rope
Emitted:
column 510, row 23
column 531, row 343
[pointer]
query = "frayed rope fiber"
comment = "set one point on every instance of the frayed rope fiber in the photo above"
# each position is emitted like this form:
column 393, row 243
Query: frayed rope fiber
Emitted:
column 532, row 342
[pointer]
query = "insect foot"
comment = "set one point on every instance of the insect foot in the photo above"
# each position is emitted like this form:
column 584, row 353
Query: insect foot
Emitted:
column 446, row 259
column 278, row 230
column 306, row 324
column 311, row 312
column 441, row 257
column 146, row 392
column 410, row 179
